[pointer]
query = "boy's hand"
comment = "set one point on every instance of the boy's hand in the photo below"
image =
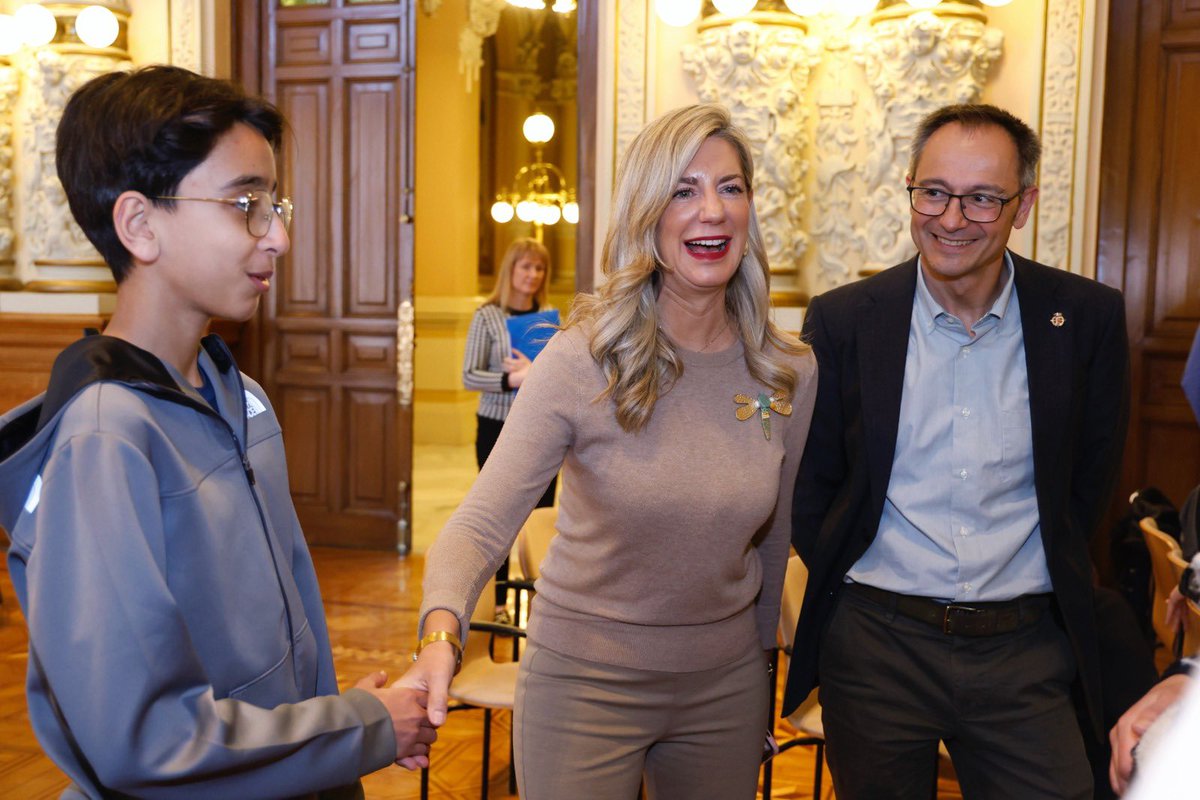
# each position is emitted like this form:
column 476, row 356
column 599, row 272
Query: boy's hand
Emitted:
column 415, row 734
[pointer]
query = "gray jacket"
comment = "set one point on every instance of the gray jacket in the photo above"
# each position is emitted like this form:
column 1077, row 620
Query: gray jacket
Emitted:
column 178, row 645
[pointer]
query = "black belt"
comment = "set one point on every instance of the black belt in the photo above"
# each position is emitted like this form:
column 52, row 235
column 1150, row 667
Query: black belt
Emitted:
column 960, row 619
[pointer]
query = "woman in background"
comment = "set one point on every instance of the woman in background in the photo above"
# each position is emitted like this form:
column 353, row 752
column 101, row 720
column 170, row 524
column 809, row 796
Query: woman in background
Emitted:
column 678, row 412
column 491, row 366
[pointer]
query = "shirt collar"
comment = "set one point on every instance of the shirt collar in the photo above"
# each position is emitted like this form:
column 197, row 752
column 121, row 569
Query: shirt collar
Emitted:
column 928, row 309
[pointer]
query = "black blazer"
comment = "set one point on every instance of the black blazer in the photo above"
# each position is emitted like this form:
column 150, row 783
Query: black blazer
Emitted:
column 1078, row 407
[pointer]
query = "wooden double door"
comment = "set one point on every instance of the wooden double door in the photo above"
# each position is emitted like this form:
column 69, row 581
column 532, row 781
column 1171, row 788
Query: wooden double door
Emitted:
column 333, row 343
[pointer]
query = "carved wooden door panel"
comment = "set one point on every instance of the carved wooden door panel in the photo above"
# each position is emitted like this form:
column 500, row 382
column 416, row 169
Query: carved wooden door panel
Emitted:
column 333, row 345
column 1150, row 227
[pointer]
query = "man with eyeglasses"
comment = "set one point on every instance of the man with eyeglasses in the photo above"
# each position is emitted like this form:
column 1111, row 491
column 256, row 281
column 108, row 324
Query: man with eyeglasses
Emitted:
column 970, row 416
column 177, row 641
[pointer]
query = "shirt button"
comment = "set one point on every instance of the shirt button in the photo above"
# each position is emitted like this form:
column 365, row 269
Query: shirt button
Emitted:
column 966, row 351
column 966, row 412
column 962, row 473
column 966, row 587
column 963, row 531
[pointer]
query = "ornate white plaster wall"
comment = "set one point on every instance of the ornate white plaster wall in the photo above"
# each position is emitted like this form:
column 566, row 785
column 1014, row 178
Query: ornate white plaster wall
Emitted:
column 1052, row 53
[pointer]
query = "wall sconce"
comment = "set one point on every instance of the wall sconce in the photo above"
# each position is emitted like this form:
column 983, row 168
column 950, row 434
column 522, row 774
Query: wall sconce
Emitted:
column 540, row 193
column 97, row 26
column 34, row 25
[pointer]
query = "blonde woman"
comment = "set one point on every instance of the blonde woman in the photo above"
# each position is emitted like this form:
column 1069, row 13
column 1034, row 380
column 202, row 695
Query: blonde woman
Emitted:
column 494, row 369
column 678, row 413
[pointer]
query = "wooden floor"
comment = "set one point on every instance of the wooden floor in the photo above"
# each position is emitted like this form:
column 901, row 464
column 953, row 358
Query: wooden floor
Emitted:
column 371, row 601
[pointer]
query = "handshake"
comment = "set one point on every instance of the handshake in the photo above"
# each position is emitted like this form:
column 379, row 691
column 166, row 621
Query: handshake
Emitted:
column 406, row 704
column 417, row 702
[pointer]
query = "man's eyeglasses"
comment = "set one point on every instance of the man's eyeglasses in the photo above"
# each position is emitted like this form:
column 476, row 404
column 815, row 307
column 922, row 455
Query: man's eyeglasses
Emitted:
column 975, row 207
column 260, row 209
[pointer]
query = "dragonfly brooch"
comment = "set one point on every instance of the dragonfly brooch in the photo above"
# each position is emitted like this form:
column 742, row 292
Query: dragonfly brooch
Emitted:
column 764, row 406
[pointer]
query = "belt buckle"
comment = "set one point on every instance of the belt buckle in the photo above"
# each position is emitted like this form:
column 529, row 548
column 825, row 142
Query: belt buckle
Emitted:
column 953, row 607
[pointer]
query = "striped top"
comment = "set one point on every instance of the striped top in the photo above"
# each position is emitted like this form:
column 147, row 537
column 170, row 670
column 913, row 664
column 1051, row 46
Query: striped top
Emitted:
column 488, row 344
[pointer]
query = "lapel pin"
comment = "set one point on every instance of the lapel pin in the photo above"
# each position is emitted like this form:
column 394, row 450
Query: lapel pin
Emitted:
column 1057, row 319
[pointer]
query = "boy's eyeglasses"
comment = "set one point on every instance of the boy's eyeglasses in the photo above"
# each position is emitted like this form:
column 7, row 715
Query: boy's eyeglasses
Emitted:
column 259, row 208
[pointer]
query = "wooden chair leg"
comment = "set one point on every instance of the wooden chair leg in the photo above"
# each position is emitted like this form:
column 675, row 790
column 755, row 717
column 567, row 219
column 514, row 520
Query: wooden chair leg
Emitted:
column 512, row 765
column 818, row 768
column 487, row 751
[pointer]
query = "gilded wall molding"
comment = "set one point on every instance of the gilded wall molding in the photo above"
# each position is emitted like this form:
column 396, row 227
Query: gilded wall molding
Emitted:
column 483, row 18
column 405, row 340
column 632, row 35
column 839, row 242
column 1060, row 127
column 10, row 87
column 49, row 235
column 186, row 21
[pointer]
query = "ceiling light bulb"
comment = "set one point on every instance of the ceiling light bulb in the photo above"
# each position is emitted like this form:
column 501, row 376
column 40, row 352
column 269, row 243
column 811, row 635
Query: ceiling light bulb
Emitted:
column 527, row 210
column 571, row 213
column 734, row 8
column 37, row 25
column 805, row 8
column 538, row 128
column 502, row 212
column 677, row 13
column 97, row 27
column 549, row 214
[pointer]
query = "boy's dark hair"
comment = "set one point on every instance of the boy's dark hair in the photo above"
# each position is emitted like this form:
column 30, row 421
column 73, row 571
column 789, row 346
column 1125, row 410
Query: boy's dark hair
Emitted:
column 145, row 131
column 978, row 115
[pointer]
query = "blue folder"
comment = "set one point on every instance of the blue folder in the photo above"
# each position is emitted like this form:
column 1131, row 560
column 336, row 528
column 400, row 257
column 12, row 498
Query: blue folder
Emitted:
column 530, row 332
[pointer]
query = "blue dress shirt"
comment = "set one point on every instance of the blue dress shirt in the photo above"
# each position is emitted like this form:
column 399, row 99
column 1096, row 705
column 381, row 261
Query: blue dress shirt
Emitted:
column 960, row 520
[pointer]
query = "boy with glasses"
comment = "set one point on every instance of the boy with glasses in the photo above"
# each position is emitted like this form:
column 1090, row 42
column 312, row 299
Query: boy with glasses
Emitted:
column 178, row 645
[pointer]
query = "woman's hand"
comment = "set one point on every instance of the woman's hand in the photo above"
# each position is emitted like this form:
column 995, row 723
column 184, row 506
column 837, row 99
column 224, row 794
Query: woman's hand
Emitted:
column 516, row 367
column 435, row 666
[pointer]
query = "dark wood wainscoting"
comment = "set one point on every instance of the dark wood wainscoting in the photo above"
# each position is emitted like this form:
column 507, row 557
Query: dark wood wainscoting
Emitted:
column 29, row 344
column 1149, row 243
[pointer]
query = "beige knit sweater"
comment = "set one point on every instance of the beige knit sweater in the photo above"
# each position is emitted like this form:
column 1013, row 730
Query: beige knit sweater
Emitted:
column 672, row 542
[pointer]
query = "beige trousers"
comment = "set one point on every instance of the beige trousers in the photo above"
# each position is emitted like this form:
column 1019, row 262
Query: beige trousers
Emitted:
column 588, row 731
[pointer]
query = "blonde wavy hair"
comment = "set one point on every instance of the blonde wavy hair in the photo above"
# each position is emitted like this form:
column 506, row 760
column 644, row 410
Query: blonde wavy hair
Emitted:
column 621, row 316
column 515, row 252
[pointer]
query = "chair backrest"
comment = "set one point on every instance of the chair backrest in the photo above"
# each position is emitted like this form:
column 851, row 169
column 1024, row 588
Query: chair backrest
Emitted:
column 534, row 540
column 1166, row 564
column 478, row 642
column 1191, row 628
column 794, row 584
